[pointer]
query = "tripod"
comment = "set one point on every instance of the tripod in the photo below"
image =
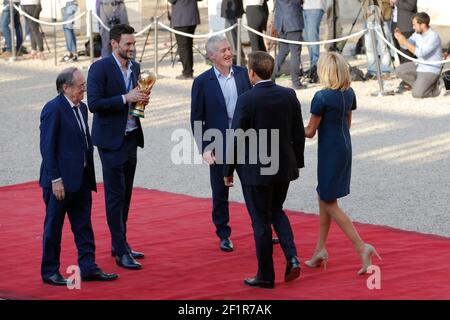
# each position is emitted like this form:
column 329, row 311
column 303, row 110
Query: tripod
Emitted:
column 334, row 47
column 45, row 39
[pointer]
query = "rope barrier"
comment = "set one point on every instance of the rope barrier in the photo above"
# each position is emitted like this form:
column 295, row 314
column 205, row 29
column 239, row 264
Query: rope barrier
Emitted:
column 100, row 20
column 49, row 23
column 305, row 42
column 197, row 36
column 143, row 30
column 408, row 57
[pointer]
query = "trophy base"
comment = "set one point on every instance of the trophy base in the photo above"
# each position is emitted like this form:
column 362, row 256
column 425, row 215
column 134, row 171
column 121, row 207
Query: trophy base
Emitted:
column 137, row 113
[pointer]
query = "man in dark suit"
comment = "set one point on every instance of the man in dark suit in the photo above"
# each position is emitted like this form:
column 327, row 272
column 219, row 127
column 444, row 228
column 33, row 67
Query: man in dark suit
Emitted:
column 231, row 10
column 67, row 178
column 214, row 95
column 111, row 12
column 272, row 113
column 112, row 90
column 185, row 18
column 289, row 25
column 406, row 9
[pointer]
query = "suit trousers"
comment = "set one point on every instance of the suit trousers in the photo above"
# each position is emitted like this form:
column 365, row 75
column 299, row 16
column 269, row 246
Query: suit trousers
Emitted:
column 265, row 206
column 78, row 207
column 119, row 167
column 185, row 49
column 295, row 50
column 257, row 19
column 220, row 210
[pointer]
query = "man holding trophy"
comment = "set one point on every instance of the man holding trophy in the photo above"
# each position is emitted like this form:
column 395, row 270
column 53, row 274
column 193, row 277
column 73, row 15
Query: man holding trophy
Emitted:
column 117, row 102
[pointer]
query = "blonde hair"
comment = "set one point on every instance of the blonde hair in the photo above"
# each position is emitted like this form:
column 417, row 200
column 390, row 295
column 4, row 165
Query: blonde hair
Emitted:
column 333, row 71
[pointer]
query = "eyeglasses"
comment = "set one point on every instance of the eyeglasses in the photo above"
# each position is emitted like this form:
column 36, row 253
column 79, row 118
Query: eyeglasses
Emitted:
column 80, row 86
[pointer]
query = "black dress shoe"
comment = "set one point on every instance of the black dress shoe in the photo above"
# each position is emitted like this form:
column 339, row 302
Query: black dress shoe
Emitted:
column 57, row 280
column 100, row 276
column 292, row 269
column 134, row 254
column 126, row 261
column 253, row 282
column 275, row 240
column 226, row 245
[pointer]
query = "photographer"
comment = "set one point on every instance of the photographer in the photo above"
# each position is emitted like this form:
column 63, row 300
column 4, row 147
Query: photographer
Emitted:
column 185, row 18
column 112, row 12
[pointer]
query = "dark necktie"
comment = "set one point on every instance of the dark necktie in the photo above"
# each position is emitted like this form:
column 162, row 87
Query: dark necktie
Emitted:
column 85, row 140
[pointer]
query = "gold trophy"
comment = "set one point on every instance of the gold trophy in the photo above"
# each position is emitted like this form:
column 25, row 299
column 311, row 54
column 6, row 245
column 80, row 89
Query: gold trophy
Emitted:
column 146, row 81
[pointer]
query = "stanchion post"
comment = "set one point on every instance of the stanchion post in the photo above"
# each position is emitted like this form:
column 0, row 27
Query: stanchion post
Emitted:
column 54, row 30
column 377, row 58
column 13, row 30
column 239, row 41
column 91, row 35
column 156, row 26
column 372, row 25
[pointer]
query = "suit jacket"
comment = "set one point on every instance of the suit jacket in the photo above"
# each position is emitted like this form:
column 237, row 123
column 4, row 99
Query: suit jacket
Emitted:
column 208, row 103
column 184, row 13
column 231, row 9
column 288, row 16
column 62, row 146
column 105, row 87
column 269, row 106
column 405, row 11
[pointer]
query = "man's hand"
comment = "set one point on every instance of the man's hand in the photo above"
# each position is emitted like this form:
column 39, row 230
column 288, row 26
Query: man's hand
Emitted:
column 58, row 190
column 229, row 181
column 208, row 157
column 400, row 37
column 137, row 95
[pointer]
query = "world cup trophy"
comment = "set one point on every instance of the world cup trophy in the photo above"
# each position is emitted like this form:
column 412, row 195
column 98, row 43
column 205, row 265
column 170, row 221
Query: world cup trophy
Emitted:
column 146, row 81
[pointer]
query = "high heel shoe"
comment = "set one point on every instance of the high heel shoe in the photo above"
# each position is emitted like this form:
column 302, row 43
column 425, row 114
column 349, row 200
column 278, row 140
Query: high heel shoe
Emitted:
column 317, row 259
column 366, row 257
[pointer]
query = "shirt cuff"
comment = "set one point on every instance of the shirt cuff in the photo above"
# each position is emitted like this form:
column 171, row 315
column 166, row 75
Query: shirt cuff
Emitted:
column 57, row 180
column 124, row 100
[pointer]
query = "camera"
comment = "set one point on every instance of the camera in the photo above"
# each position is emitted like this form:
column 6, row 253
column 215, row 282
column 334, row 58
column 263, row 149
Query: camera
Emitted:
column 113, row 21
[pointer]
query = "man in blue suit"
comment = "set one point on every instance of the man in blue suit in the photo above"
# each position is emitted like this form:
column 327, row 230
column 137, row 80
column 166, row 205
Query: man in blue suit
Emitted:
column 214, row 96
column 67, row 178
column 274, row 114
column 289, row 25
column 112, row 90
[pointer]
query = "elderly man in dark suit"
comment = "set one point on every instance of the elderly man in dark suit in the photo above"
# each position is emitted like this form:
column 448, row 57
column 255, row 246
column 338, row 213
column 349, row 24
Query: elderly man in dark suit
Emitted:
column 67, row 178
column 214, row 95
column 185, row 18
column 272, row 115
column 289, row 25
column 112, row 91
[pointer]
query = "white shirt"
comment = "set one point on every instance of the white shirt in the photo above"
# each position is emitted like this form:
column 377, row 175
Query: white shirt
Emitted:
column 127, row 78
column 394, row 14
column 229, row 91
column 82, row 125
column 254, row 2
column 29, row 2
column 314, row 5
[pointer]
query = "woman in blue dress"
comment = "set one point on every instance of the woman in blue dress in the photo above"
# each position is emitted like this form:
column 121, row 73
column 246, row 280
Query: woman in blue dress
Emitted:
column 331, row 116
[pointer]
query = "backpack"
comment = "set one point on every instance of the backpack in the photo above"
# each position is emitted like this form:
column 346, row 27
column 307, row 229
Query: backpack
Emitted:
column 356, row 74
column 97, row 46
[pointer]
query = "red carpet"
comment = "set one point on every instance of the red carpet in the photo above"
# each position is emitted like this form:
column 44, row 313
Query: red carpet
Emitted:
column 183, row 260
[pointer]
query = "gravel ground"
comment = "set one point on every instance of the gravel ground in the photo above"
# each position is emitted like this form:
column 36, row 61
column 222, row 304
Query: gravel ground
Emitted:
column 401, row 145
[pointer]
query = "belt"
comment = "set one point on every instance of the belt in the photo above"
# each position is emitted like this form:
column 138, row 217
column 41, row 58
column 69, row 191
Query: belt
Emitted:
column 129, row 133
